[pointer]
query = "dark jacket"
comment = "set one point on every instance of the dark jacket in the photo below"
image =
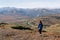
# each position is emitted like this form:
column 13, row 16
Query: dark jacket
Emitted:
column 40, row 26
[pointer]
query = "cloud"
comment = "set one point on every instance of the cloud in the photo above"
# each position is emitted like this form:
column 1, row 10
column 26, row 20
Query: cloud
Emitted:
column 31, row 4
column 39, row 5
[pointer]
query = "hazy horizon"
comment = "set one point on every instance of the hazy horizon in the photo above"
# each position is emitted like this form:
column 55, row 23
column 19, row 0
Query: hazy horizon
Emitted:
column 30, row 3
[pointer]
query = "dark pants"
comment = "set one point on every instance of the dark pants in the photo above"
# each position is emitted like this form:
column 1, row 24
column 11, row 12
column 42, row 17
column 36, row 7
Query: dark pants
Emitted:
column 40, row 31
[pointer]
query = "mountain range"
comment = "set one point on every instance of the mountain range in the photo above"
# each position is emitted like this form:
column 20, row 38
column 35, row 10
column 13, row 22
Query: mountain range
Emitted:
column 11, row 13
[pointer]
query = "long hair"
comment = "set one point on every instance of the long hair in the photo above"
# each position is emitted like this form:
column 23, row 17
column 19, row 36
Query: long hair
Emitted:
column 40, row 22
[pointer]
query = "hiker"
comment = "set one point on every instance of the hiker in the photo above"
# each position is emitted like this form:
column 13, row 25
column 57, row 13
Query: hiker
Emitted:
column 40, row 26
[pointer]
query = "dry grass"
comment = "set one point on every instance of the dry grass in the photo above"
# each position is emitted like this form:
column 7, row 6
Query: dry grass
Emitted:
column 50, row 26
column 15, row 34
column 54, row 28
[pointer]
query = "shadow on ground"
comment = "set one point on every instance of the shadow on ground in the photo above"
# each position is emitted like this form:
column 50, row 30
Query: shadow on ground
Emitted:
column 44, row 31
column 21, row 28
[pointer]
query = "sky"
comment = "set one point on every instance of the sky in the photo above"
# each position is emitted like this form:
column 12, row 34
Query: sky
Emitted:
column 30, row 3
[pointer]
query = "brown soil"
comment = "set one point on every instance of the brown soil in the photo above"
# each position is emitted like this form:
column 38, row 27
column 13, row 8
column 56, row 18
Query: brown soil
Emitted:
column 15, row 34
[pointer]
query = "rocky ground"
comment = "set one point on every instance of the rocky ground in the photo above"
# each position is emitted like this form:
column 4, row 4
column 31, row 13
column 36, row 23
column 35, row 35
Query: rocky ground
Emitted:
column 15, row 34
